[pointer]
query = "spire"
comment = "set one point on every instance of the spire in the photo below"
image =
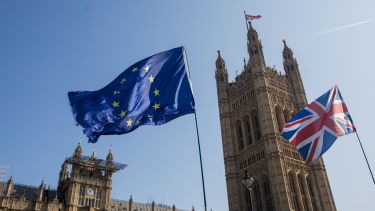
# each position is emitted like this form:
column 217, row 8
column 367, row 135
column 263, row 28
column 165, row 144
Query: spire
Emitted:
column 40, row 191
column 255, row 49
column 41, row 184
column 109, row 156
column 192, row 209
column 78, row 151
column 220, row 63
column 9, row 188
column 93, row 153
column 252, row 34
column 287, row 52
column 221, row 73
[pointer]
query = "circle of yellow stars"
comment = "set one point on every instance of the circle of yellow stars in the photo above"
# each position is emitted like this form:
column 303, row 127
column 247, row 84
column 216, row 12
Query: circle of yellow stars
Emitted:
column 156, row 92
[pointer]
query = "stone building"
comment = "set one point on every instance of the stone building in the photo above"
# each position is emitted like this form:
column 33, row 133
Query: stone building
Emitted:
column 85, row 183
column 253, row 110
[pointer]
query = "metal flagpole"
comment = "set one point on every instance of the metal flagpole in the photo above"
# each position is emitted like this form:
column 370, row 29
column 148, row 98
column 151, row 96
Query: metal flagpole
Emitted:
column 200, row 159
column 196, row 127
column 247, row 24
column 363, row 151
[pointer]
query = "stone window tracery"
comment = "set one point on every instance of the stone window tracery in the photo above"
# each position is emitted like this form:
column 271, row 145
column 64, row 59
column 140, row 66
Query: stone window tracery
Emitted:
column 239, row 135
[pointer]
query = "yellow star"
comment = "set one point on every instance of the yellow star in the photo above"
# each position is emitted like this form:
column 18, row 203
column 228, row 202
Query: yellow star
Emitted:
column 115, row 104
column 147, row 68
column 156, row 92
column 129, row 122
column 115, row 92
column 123, row 81
column 151, row 78
column 122, row 114
column 134, row 69
column 156, row 106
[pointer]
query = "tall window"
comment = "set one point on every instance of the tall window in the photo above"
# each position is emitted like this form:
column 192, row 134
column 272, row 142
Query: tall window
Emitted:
column 256, row 125
column 249, row 136
column 293, row 192
column 98, row 198
column 258, row 198
column 311, row 194
column 268, row 194
column 81, row 195
column 303, row 191
column 239, row 134
column 279, row 118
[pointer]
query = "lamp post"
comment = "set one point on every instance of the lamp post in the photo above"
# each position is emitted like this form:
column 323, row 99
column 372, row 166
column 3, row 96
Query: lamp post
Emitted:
column 249, row 184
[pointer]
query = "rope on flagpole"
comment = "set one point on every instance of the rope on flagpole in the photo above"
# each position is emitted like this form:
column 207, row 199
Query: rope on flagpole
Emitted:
column 360, row 143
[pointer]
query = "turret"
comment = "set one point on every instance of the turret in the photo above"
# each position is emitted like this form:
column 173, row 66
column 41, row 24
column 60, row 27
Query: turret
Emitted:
column 40, row 191
column 109, row 158
column 9, row 187
column 221, row 73
column 78, row 151
column 293, row 74
column 255, row 49
column 93, row 156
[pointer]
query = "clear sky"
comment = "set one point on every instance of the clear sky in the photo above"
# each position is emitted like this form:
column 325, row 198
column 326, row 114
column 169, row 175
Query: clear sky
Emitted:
column 48, row 48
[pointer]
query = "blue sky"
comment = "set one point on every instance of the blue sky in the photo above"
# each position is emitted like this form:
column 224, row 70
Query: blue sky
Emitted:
column 48, row 48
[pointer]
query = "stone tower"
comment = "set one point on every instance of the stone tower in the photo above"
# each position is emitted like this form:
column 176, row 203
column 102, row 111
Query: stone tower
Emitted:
column 253, row 110
column 85, row 182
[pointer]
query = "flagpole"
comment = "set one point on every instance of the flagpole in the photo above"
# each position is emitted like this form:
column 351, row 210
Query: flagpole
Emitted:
column 363, row 151
column 200, row 159
column 196, row 127
column 247, row 24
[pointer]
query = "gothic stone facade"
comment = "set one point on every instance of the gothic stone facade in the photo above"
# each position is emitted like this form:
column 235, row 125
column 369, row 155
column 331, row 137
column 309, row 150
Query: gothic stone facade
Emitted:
column 85, row 183
column 253, row 110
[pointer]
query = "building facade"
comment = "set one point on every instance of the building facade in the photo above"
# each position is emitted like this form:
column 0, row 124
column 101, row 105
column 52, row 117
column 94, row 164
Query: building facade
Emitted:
column 253, row 110
column 85, row 183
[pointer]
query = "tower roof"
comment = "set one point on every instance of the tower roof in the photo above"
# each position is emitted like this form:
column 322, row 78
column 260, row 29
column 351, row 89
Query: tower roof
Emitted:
column 78, row 151
column 219, row 61
column 286, row 49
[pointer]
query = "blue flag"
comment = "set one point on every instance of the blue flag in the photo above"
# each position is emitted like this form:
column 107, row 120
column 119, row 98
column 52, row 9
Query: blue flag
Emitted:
column 152, row 91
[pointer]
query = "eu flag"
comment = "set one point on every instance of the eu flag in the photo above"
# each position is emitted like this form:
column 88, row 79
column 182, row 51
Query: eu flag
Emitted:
column 152, row 91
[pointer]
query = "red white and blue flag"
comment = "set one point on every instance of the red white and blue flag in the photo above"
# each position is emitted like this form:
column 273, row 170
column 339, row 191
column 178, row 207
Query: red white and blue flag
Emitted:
column 315, row 128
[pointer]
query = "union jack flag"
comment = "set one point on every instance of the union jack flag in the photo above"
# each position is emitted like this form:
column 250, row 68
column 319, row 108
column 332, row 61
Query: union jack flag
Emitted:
column 315, row 128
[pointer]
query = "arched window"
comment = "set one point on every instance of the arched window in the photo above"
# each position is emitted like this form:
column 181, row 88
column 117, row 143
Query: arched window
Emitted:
column 311, row 194
column 268, row 194
column 279, row 117
column 258, row 198
column 293, row 192
column 239, row 134
column 248, row 132
column 302, row 189
column 287, row 116
column 256, row 125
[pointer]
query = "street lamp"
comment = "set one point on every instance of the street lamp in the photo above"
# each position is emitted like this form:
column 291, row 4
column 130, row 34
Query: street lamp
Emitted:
column 249, row 184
